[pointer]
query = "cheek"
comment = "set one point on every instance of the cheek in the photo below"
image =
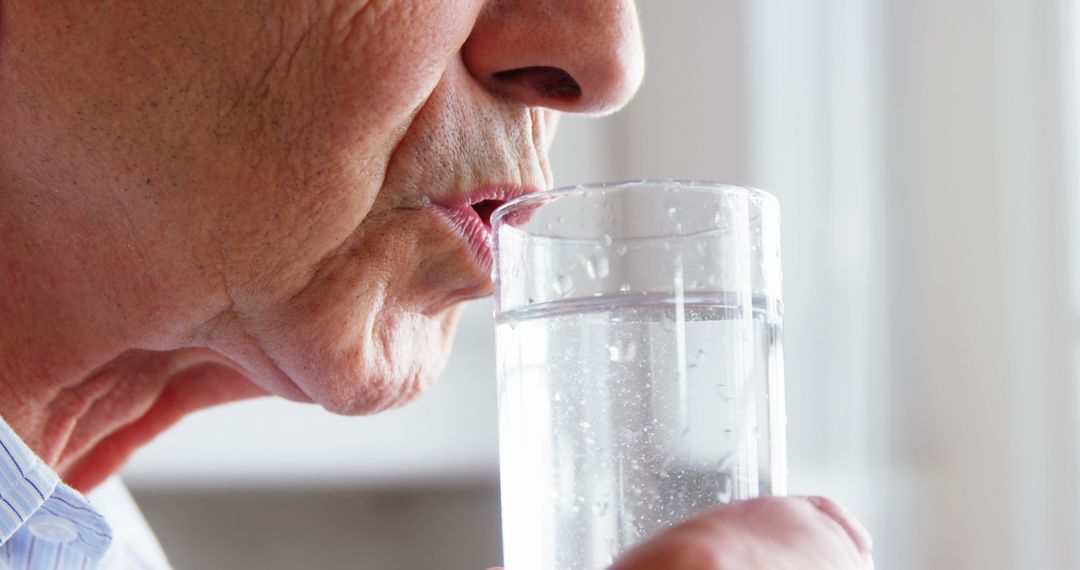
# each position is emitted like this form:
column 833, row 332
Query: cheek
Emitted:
column 372, row 327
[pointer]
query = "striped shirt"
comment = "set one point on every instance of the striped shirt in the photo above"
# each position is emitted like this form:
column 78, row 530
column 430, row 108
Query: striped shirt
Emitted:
column 44, row 524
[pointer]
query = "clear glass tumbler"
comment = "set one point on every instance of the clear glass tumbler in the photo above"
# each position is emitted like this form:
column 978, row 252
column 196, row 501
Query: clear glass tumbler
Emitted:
column 639, row 363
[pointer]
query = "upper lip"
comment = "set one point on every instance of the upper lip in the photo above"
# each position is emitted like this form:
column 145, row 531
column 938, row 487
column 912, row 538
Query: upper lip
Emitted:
column 483, row 199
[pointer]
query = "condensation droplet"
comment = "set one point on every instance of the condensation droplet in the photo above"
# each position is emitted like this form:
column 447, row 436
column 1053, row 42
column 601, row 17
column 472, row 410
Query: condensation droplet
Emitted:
column 600, row 508
column 724, row 494
column 564, row 284
column 605, row 240
column 597, row 267
column 624, row 288
column 620, row 249
column 672, row 212
column 623, row 353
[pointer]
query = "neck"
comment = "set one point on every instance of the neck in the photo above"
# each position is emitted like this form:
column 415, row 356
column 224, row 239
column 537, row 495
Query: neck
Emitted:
column 90, row 371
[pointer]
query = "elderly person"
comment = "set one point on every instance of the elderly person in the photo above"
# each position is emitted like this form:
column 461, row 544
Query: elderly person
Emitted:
column 202, row 202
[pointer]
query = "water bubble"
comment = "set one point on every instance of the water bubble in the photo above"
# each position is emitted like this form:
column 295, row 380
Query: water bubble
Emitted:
column 597, row 267
column 665, row 470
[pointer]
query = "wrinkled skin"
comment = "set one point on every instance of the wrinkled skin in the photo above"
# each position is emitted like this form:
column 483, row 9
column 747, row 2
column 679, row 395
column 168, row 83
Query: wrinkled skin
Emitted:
column 207, row 201
column 257, row 179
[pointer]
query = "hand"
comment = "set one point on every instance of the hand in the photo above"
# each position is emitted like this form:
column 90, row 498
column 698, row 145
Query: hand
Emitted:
column 774, row 533
column 797, row 533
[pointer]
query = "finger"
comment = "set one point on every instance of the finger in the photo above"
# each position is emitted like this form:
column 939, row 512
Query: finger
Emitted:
column 809, row 533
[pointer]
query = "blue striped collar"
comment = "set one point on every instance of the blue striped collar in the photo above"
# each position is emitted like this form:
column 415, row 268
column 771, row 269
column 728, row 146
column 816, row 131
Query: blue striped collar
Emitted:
column 33, row 500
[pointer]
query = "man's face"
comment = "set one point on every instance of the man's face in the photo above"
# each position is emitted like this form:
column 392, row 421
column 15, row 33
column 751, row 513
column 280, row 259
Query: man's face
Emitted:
column 309, row 180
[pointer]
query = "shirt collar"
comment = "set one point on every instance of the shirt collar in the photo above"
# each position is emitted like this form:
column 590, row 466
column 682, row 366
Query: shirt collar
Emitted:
column 29, row 487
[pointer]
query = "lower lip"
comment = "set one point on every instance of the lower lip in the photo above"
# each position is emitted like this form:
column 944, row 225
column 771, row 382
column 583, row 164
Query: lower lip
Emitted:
column 476, row 235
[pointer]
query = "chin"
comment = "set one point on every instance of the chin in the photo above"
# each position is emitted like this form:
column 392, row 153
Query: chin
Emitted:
column 404, row 355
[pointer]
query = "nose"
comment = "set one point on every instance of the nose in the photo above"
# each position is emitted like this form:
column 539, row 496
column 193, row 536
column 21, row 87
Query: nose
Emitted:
column 578, row 56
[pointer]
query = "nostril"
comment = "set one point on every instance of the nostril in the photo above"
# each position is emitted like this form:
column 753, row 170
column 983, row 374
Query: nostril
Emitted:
column 484, row 209
column 548, row 82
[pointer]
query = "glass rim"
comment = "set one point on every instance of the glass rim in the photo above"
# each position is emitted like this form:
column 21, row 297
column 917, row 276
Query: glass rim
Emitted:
column 551, row 194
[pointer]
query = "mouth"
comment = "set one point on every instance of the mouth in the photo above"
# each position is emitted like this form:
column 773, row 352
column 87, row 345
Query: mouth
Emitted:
column 470, row 217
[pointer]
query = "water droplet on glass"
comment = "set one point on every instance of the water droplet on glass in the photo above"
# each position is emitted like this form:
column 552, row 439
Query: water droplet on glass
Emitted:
column 564, row 284
column 724, row 494
column 624, row 288
column 620, row 249
column 605, row 240
column 597, row 267
column 600, row 508
column 624, row 352
column 557, row 396
column 587, row 425
column 672, row 212
column 713, row 280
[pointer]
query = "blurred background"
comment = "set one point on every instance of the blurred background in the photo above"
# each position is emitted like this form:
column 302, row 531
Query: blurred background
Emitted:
column 924, row 153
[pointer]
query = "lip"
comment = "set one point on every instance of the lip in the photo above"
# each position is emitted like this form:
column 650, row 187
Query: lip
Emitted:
column 459, row 213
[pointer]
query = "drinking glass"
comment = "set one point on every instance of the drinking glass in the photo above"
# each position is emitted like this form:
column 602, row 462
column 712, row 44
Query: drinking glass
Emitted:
column 640, row 367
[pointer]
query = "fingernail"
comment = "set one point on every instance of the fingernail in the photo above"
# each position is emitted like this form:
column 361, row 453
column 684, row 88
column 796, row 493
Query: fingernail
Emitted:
column 847, row 521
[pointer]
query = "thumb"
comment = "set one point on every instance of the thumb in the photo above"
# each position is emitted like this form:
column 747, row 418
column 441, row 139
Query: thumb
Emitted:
column 774, row 533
